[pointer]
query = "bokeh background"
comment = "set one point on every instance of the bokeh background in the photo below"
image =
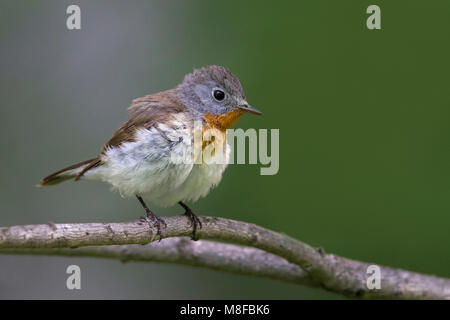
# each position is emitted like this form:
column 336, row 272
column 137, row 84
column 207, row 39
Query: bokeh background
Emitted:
column 363, row 118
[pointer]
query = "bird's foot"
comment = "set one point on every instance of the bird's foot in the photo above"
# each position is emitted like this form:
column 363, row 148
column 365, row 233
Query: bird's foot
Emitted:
column 194, row 223
column 156, row 220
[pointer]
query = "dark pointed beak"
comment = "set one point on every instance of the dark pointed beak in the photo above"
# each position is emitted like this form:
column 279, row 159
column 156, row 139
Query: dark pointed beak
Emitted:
column 249, row 109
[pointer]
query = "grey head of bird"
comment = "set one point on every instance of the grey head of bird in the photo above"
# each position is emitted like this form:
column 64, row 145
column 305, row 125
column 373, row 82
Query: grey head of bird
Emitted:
column 214, row 91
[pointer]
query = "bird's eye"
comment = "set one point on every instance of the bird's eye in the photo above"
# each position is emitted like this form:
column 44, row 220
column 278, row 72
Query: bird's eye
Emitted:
column 219, row 95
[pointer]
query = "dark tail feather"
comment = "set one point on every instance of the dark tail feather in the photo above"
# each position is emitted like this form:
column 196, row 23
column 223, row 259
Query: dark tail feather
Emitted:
column 69, row 172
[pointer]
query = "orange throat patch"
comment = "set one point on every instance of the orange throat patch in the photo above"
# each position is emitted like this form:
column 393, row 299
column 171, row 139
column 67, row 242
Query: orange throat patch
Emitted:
column 219, row 124
column 225, row 121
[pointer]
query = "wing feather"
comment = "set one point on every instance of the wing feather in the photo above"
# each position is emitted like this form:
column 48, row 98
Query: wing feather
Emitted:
column 146, row 112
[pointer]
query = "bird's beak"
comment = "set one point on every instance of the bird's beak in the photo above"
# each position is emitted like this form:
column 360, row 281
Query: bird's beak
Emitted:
column 247, row 108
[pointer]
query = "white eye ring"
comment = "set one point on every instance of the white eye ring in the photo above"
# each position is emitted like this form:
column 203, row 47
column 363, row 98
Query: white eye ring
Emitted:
column 218, row 94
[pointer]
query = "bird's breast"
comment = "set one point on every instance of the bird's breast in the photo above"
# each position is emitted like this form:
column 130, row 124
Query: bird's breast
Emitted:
column 223, row 122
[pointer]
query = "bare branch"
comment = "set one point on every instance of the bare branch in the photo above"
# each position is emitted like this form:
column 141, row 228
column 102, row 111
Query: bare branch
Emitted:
column 334, row 273
column 181, row 250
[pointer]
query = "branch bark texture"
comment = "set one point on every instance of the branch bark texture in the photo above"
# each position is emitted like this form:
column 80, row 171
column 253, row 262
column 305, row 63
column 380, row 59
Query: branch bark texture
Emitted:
column 266, row 253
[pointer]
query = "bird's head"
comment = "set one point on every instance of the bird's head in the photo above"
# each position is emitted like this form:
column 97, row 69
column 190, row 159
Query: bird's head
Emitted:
column 216, row 94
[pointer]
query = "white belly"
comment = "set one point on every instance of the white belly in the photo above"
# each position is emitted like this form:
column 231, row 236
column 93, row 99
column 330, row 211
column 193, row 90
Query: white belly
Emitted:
column 146, row 169
column 198, row 183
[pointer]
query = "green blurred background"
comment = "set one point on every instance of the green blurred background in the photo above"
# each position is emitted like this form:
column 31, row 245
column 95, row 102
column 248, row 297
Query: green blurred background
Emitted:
column 363, row 118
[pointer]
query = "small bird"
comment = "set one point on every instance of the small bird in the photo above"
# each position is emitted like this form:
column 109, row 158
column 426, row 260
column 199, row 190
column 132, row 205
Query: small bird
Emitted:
column 138, row 160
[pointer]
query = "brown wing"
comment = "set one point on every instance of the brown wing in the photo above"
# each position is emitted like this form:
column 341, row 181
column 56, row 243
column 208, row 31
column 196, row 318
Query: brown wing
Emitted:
column 145, row 112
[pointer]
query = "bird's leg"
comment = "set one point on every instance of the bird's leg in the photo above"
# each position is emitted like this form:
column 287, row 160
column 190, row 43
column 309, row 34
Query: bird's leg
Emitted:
column 195, row 221
column 150, row 216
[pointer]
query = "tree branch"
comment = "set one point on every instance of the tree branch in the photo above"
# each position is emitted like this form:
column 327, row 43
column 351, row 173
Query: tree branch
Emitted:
column 334, row 273
column 181, row 250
